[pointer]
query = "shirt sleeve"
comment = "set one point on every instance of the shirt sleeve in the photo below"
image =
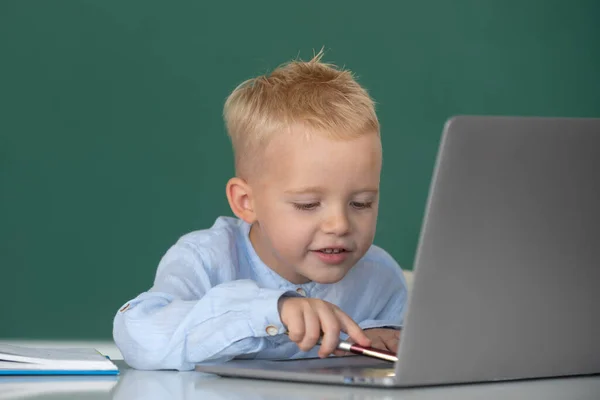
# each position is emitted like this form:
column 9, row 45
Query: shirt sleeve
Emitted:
column 393, row 290
column 392, row 316
column 184, row 320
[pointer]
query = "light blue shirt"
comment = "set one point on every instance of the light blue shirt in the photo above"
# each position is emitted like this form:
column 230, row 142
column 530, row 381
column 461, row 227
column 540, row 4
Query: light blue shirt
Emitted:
column 213, row 299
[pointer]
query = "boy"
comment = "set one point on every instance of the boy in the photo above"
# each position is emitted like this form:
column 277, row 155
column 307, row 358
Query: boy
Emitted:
column 299, row 258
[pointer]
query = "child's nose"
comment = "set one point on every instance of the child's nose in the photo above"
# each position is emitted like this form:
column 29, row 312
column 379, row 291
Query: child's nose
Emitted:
column 336, row 224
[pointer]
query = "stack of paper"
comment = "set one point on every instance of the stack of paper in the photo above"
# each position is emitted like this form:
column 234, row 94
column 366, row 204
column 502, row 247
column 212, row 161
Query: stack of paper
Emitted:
column 17, row 360
column 56, row 387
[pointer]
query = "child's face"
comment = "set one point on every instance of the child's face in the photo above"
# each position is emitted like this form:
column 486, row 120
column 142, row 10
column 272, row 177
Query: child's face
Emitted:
column 316, row 203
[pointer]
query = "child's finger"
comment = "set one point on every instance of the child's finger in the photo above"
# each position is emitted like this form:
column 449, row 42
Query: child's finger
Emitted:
column 379, row 344
column 341, row 353
column 391, row 339
column 391, row 344
column 352, row 329
column 295, row 323
column 312, row 329
column 330, row 326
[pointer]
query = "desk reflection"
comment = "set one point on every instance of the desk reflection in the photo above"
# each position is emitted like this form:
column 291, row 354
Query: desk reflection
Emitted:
column 154, row 385
column 151, row 385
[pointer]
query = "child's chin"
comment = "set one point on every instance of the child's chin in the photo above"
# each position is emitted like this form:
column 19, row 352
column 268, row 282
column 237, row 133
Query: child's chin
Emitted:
column 328, row 278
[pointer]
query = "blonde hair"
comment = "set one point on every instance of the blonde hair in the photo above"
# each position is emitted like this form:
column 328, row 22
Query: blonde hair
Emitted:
column 317, row 95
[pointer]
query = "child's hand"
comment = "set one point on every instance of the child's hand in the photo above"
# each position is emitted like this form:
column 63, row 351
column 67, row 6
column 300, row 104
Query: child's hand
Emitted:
column 384, row 339
column 305, row 319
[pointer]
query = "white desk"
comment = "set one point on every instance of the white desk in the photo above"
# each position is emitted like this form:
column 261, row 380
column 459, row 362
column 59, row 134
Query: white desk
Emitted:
column 150, row 385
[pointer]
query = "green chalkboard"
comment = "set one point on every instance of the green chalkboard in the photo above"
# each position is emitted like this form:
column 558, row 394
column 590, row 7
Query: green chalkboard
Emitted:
column 112, row 142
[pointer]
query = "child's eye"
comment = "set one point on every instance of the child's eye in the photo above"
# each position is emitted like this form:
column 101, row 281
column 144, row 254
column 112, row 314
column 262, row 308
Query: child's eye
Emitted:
column 361, row 206
column 306, row 206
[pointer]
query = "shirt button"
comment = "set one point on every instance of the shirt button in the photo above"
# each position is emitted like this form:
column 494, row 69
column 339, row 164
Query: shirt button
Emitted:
column 301, row 291
column 272, row 330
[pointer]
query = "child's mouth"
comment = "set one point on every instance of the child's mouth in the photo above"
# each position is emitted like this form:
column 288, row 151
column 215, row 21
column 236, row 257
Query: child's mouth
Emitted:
column 332, row 251
column 332, row 256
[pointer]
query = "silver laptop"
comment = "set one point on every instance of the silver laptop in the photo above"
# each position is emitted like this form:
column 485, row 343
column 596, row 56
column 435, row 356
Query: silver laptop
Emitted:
column 507, row 271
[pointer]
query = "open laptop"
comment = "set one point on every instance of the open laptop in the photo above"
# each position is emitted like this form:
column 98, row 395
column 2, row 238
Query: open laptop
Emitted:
column 507, row 270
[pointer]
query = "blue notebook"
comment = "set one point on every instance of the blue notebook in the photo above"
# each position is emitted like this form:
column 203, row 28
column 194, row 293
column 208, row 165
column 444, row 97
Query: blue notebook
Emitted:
column 18, row 360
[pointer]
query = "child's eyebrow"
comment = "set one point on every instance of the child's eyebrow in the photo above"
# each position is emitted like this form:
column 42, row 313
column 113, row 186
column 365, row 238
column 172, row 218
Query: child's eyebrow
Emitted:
column 306, row 190
column 319, row 190
column 367, row 191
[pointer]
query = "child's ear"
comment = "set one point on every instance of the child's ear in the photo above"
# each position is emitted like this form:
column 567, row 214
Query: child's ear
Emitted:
column 239, row 195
